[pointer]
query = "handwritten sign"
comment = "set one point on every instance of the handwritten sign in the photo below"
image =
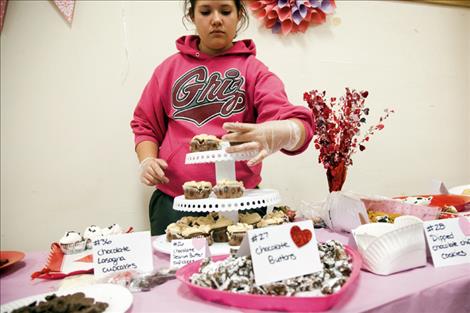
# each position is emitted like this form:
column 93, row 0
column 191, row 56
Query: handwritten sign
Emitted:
column 284, row 251
column 186, row 251
column 125, row 252
column 449, row 241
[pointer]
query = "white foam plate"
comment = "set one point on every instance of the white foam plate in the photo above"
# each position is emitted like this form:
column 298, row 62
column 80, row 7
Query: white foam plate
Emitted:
column 118, row 298
column 458, row 190
column 217, row 248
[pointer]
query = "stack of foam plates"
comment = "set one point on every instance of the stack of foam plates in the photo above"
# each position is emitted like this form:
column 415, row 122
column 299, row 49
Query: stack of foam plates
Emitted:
column 390, row 248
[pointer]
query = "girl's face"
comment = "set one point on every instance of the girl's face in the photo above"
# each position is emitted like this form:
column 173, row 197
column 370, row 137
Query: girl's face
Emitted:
column 216, row 23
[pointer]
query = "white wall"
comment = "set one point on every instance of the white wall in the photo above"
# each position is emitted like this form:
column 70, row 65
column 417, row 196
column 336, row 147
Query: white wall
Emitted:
column 68, row 93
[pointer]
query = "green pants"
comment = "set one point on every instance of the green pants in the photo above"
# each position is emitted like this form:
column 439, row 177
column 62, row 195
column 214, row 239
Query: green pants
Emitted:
column 161, row 212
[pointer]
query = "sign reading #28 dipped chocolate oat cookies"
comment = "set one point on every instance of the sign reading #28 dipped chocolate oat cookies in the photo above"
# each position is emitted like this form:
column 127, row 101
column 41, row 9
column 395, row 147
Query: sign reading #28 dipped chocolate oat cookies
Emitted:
column 283, row 251
column 448, row 241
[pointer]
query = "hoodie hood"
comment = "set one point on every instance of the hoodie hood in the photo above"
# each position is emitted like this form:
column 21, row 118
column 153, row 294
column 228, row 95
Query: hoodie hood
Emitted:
column 188, row 45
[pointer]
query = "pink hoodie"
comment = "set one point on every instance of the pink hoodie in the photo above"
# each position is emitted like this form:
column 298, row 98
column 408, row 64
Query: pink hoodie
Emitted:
column 192, row 93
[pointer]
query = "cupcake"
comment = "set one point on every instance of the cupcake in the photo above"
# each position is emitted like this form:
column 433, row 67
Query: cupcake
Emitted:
column 204, row 220
column 219, row 229
column 173, row 231
column 197, row 190
column 197, row 231
column 287, row 211
column 72, row 242
column 90, row 234
column 204, row 142
column 186, row 220
column 229, row 189
column 236, row 233
column 273, row 218
column 249, row 218
column 114, row 229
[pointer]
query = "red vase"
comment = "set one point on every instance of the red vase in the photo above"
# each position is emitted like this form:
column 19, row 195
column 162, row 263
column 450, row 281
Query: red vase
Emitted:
column 336, row 176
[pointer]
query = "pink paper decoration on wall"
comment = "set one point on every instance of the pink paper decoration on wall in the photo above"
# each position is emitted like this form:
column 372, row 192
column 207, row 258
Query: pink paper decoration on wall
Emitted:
column 292, row 16
column 66, row 8
column 3, row 9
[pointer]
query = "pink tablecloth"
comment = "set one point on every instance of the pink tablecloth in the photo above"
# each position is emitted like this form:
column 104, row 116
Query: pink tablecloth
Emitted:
column 425, row 289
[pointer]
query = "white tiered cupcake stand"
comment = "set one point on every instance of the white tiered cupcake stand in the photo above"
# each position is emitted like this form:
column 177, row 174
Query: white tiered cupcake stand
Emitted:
column 224, row 170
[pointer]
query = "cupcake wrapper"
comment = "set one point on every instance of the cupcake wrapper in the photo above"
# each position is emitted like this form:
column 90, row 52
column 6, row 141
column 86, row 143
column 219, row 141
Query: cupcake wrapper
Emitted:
column 72, row 248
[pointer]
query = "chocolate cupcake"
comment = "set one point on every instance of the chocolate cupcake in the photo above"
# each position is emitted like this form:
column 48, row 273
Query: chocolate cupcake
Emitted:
column 203, row 142
column 72, row 242
column 249, row 218
column 197, row 190
column 90, row 234
column 219, row 229
column 273, row 218
column 197, row 231
column 173, row 231
column 235, row 233
column 229, row 189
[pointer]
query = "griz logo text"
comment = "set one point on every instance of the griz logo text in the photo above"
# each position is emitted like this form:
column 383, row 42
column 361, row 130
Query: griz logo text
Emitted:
column 198, row 97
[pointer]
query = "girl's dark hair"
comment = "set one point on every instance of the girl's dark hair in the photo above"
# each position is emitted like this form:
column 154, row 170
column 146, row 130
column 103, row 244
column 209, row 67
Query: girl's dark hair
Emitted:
column 189, row 6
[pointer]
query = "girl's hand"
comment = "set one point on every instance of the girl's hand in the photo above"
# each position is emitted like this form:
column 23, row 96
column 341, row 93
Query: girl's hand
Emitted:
column 266, row 138
column 151, row 171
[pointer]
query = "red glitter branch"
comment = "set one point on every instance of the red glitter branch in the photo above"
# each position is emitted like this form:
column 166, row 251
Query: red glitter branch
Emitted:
column 338, row 125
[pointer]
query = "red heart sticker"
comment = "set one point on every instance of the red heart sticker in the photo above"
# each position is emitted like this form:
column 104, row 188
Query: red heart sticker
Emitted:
column 300, row 237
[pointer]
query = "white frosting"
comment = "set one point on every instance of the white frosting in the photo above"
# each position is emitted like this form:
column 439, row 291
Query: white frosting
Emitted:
column 418, row 200
column 197, row 184
column 114, row 229
column 71, row 237
column 92, row 232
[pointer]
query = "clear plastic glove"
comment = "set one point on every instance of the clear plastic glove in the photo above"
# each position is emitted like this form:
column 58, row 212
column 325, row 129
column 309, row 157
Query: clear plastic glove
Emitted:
column 266, row 138
column 152, row 171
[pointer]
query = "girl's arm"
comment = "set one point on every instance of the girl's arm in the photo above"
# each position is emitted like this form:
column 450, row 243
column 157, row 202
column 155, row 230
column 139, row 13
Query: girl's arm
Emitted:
column 151, row 168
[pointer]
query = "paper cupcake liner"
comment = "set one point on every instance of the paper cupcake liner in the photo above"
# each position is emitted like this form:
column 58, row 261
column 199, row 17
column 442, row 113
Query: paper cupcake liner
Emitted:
column 72, row 248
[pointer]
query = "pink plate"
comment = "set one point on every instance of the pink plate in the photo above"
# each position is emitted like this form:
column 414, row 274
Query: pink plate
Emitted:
column 273, row 303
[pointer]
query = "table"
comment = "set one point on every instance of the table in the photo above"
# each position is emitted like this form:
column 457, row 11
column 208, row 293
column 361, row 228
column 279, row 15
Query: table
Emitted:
column 425, row 289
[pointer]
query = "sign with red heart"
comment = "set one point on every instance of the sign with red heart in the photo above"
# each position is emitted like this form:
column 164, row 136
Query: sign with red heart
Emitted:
column 300, row 237
column 283, row 251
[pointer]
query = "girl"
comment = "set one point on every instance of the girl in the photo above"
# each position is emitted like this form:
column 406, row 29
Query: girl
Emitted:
column 212, row 85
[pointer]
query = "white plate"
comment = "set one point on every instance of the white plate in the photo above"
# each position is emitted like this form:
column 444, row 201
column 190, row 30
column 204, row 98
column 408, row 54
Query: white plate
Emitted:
column 118, row 298
column 458, row 190
column 217, row 248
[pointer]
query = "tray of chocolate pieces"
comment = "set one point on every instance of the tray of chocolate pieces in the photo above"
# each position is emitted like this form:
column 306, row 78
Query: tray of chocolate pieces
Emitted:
column 230, row 280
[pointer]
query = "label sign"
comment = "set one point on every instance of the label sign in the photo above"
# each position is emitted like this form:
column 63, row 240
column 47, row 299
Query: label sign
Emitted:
column 184, row 251
column 124, row 252
column 449, row 241
column 284, row 251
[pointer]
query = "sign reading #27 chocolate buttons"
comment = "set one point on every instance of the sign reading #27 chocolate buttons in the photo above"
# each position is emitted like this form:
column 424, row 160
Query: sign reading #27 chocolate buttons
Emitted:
column 283, row 251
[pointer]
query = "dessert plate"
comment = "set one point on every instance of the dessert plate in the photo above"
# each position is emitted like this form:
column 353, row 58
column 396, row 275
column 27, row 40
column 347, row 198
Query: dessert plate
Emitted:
column 459, row 190
column 273, row 303
column 217, row 248
column 460, row 202
column 118, row 297
column 11, row 256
